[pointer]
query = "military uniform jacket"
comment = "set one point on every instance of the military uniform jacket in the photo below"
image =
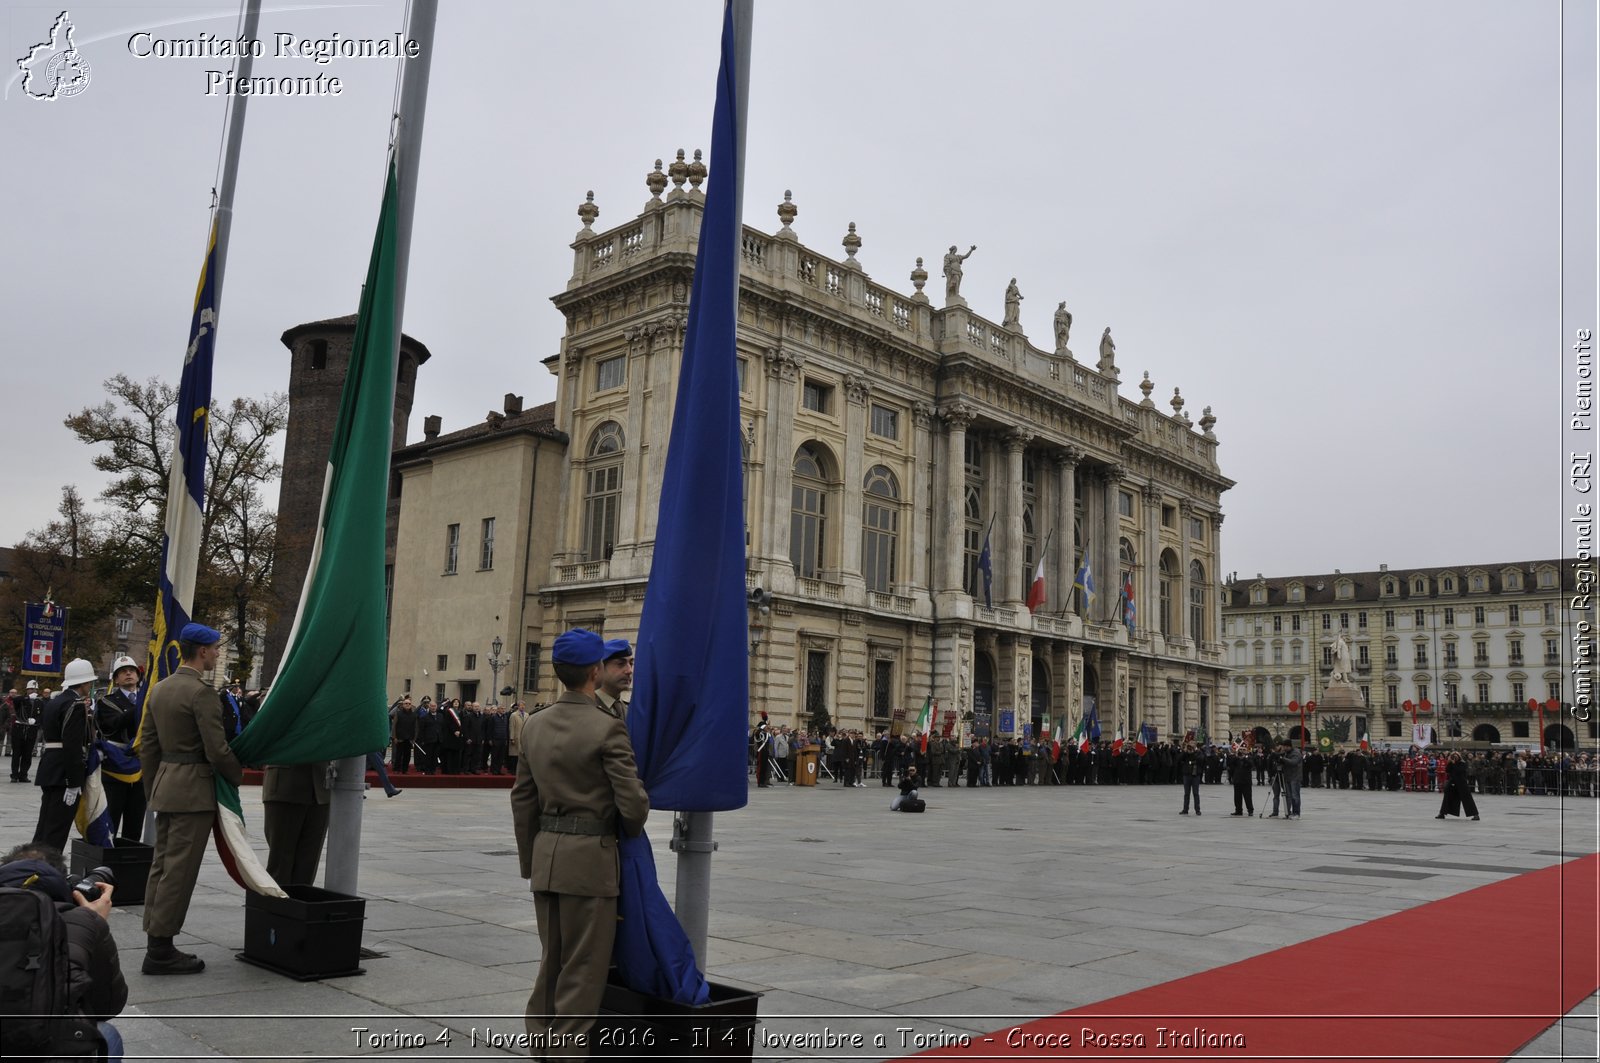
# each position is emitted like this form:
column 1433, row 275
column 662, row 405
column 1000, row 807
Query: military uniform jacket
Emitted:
column 117, row 716
column 576, row 761
column 65, row 722
column 182, row 744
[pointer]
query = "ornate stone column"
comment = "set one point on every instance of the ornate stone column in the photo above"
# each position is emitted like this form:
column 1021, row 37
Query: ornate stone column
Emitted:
column 1153, row 501
column 1214, row 599
column 921, row 574
column 1064, row 554
column 1011, row 590
column 1105, row 562
column 1185, row 511
column 855, row 433
column 633, row 428
column 957, row 417
column 783, row 374
column 665, row 344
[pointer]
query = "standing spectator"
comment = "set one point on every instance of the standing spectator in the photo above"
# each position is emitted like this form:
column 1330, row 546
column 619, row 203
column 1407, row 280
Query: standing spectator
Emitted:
column 402, row 733
column 1457, row 789
column 428, row 731
column 1239, row 771
column 450, row 736
column 1291, row 760
column 24, row 726
column 1189, row 769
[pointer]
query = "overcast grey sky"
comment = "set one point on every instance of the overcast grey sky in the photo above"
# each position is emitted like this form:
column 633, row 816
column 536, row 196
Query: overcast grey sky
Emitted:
column 1334, row 223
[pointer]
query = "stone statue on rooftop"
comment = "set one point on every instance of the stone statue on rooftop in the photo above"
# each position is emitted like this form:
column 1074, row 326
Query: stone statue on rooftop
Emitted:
column 1013, row 304
column 1108, row 350
column 1063, row 325
column 952, row 271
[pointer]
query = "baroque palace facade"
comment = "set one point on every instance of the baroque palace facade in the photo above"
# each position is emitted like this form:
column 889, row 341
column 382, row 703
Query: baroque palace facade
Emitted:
column 1476, row 641
column 885, row 437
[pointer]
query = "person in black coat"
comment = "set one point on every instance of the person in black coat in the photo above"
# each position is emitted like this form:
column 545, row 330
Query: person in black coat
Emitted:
column 24, row 728
column 116, row 715
column 1239, row 771
column 1189, row 771
column 66, row 731
column 450, row 736
column 1457, row 791
column 403, row 732
column 428, row 732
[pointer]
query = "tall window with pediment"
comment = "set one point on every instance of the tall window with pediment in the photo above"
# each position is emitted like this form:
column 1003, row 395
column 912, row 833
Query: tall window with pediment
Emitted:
column 880, row 529
column 1167, row 575
column 602, row 491
column 808, row 514
column 1197, row 601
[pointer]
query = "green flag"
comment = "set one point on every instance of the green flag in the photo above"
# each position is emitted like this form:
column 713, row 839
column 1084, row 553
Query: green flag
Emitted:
column 329, row 701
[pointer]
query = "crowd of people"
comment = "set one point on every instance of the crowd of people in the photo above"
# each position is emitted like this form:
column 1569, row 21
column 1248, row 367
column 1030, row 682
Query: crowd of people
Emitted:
column 850, row 758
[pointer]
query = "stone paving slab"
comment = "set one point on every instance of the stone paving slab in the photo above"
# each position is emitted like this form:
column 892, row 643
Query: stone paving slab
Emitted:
column 996, row 905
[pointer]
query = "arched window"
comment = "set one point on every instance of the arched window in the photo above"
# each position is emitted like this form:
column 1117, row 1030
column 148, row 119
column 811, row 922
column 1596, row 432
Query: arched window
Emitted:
column 972, row 538
column 1030, row 547
column 880, row 529
column 1197, row 601
column 808, row 515
column 1166, row 575
column 602, row 491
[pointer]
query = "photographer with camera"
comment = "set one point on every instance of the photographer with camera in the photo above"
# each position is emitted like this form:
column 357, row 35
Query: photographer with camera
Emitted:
column 1289, row 761
column 74, row 985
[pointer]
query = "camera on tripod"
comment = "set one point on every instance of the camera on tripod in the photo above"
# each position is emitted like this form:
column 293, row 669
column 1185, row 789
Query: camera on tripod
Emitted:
column 89, row 885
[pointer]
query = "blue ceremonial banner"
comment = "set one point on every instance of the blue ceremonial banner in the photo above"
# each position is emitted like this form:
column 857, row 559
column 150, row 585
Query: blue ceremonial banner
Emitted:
column 186, row 483
column 692, row 684
column 44, row 637
column 691, row 690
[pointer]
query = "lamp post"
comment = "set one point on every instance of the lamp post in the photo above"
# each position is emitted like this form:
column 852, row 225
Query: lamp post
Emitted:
column 1310, row 706
column 1534, row 705
column 1425, row 707
column 496, row 662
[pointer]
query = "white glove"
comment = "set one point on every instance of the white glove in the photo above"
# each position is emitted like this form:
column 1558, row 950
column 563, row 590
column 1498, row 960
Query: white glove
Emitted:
column 70, row 797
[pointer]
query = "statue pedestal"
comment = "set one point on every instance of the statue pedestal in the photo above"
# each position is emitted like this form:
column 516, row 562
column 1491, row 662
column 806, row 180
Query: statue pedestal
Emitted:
column 954, row 300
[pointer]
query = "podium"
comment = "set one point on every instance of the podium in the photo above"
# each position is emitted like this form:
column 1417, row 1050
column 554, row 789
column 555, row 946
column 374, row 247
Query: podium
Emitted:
column 805, row 767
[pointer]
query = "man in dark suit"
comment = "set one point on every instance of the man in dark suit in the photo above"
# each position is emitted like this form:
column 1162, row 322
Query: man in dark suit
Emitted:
column 403, row 732
column 182, row 744
column 577, row 787
column 65, row 728
column 294, row 816
column 472, row 738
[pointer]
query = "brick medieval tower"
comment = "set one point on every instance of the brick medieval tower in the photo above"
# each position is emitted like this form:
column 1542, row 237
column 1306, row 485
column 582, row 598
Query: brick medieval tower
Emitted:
column 319, row 356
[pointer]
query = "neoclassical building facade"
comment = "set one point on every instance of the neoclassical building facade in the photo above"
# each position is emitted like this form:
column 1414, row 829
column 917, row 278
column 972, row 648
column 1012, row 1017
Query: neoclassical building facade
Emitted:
column 1476, row 641
column 886, row 437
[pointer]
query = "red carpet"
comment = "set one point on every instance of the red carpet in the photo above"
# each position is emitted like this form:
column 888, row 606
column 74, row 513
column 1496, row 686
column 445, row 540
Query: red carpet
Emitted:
column 1483, row 973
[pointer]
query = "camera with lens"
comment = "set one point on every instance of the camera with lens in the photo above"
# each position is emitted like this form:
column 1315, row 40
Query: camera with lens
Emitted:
column 89, row 884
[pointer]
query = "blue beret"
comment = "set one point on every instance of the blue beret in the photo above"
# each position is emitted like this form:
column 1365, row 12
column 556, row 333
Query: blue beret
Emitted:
column 618, row 648
column 580, row 646
column 199, row 634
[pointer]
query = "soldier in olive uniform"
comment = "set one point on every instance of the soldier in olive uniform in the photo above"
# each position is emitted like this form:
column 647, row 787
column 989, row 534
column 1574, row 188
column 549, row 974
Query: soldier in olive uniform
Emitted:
column 294, row 816
column 577, row 787
column 182, row 745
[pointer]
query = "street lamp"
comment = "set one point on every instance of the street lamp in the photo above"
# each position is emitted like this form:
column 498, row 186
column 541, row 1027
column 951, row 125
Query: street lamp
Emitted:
column 496, row 662
column 1424, row 707
column 1310, row 706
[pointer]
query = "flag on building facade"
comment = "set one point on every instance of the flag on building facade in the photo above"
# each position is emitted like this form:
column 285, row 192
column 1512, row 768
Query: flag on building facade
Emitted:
column 1085, row 581
column 1036, row 589
column 986, row 568
column 1128, row 608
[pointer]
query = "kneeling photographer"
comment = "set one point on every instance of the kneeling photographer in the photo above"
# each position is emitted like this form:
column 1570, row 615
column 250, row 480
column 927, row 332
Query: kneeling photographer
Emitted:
column 73, row 987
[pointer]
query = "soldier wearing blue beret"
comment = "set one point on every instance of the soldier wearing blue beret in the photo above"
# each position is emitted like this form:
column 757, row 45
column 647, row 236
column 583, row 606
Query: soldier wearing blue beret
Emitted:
column 577, row 789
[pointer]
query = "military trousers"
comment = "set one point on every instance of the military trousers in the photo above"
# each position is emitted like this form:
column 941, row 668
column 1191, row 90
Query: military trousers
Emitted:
column 576, row 934
column 174, row 869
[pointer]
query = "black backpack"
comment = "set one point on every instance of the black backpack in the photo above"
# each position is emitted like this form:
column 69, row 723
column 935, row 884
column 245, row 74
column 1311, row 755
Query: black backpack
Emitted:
column 913, row 804
column 39, row 1019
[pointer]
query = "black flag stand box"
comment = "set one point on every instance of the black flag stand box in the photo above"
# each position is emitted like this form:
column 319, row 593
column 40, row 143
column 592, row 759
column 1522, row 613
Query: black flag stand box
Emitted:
column 634, row 1025
column 129, row 861
column 310, row 934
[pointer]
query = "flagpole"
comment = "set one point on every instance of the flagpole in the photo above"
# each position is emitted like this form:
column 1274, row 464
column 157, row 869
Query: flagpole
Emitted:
column 692, row 831
column 344, row 801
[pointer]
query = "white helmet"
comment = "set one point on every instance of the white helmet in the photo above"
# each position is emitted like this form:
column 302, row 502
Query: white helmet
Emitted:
column 78, row 672
column 120, row 663
column 33, row 684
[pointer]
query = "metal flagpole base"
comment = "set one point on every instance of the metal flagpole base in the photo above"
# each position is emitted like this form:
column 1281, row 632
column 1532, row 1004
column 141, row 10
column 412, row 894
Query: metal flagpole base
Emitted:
column 691, row 840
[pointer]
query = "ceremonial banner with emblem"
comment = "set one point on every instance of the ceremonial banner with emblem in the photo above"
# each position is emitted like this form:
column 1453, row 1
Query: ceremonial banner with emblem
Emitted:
column 44, row 636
